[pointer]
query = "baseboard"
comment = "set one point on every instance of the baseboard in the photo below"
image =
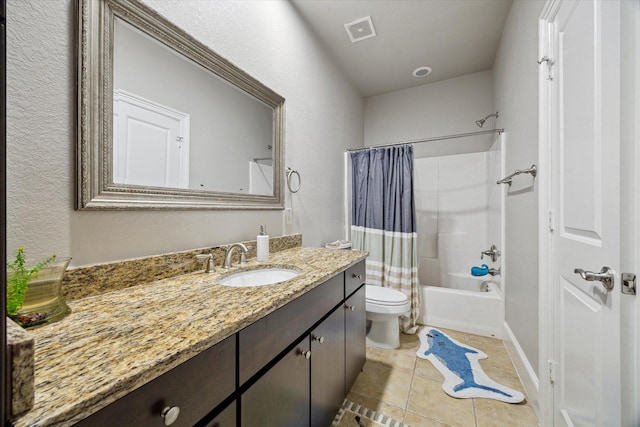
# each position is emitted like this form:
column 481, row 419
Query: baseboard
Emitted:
column 524, row 369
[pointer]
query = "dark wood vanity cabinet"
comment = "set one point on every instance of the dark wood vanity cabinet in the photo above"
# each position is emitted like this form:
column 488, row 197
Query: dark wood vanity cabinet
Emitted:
column 292, row 368
column 335, row 338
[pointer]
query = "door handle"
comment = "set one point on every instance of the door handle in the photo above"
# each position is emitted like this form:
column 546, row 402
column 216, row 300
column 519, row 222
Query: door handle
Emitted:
column 605, row 276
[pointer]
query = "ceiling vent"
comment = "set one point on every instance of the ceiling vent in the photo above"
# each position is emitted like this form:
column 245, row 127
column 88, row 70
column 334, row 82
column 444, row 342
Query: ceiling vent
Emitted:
column 360, row 29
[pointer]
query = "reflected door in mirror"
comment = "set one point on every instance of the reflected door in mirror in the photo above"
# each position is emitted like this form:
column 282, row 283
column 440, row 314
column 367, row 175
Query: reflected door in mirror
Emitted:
column 150, row 143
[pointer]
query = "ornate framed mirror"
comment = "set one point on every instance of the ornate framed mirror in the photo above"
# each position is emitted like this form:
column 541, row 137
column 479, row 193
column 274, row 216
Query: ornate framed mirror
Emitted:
column 166, row 123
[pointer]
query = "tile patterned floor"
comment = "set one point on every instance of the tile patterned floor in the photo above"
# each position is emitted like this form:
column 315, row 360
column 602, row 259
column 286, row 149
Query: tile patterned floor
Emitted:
column 407, row 388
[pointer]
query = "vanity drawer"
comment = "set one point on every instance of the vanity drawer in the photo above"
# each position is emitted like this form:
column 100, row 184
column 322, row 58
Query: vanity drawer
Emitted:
column 196, row 387
column 354, row 277
column 262, row 341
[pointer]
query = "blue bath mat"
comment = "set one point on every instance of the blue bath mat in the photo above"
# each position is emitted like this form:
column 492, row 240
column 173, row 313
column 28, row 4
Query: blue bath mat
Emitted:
column 460, row 366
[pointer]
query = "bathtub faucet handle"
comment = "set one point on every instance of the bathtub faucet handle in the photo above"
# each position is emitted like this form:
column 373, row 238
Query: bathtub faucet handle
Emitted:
column 493, row 252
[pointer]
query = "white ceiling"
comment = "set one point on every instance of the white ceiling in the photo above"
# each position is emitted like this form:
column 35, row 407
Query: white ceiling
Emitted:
column 454, row 37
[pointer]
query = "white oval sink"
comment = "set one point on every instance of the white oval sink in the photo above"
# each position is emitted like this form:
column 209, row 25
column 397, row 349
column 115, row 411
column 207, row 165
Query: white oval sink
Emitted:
column 259, row 277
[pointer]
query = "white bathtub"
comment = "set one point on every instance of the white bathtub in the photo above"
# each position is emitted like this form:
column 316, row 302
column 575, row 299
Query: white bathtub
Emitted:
column 468, row 304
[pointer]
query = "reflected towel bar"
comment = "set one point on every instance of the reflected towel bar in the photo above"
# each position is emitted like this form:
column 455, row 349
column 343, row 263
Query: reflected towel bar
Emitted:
column 533, row 171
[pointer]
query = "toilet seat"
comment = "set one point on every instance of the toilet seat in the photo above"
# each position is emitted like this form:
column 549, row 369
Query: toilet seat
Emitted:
column 384, row 296
column 381, row 300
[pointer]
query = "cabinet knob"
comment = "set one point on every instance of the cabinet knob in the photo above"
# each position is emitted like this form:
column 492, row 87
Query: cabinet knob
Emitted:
column 305, row 353
column 170, row 414
column 357, row 276
column 350, row 307
column 319, row 339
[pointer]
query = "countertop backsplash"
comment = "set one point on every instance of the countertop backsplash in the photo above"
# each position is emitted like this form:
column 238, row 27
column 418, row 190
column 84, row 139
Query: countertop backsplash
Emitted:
column 81, row 282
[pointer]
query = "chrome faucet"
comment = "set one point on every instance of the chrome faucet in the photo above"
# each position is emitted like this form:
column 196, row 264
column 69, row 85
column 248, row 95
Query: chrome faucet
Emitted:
column 493, row 252
column 495, row 271
column 243, row 254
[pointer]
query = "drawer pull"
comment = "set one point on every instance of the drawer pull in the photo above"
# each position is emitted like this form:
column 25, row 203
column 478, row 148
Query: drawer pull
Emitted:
column 350, row 307
column 357, row 276
column 305, row 353
column 319, row 339
column 170, row 414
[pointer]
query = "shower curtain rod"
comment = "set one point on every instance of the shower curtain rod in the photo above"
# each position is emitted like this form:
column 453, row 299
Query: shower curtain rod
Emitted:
column 435, row 138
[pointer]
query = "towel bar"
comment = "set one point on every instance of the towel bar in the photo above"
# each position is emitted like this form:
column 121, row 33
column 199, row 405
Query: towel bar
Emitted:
column 533, row 171
column 290, row 172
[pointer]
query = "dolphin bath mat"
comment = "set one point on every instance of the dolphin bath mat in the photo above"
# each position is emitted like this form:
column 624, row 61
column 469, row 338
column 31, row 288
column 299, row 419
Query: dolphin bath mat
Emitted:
column 460, row 366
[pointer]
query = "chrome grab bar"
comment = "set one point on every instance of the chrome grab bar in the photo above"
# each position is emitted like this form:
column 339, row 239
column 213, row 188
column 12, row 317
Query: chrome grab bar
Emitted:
column 533, row 171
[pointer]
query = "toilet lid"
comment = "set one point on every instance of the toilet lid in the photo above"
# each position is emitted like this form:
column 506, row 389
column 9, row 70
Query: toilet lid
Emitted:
column 385, row 296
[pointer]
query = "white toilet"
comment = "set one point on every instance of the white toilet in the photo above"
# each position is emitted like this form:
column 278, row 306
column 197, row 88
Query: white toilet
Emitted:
column 383, row 306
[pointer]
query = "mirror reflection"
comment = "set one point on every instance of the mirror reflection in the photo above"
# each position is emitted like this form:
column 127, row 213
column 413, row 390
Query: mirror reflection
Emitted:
column 177, row 125
column 166, row 123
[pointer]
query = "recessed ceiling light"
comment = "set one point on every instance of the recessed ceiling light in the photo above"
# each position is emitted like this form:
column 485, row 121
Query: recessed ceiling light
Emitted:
column 422, row 71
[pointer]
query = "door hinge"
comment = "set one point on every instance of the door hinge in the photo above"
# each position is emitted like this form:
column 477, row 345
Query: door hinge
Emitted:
column 550, row 221
column 553, row 370
column 628, row 283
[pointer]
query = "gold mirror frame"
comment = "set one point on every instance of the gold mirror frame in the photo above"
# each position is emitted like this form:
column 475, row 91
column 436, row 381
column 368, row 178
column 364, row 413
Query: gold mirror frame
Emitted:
column 95, row 187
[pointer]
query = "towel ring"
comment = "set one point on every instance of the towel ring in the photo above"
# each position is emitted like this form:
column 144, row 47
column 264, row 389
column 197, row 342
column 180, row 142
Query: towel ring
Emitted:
column 293, row 172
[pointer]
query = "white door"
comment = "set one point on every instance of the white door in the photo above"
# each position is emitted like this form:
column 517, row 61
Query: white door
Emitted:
column 582, row 79
column 150, row 143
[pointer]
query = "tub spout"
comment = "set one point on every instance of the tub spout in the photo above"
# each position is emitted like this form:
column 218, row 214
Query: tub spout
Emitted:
column 495, row 271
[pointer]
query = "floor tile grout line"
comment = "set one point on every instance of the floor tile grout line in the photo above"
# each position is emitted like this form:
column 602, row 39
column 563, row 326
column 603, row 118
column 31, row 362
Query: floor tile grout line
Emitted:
column 406, row 404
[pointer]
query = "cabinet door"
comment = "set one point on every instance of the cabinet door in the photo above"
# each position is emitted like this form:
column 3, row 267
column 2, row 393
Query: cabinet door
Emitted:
column 355, row 335
column 280, row 398
column 327, row 369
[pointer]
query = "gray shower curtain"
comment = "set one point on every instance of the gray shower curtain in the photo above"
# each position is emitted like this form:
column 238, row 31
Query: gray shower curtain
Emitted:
column 383, row 221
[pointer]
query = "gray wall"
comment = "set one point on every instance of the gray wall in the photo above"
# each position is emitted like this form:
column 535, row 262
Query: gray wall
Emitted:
column 515, row 77
column 442, row 108
column 323, row 117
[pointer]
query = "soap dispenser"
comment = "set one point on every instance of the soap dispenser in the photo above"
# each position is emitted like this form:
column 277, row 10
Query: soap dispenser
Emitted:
column 263, row 244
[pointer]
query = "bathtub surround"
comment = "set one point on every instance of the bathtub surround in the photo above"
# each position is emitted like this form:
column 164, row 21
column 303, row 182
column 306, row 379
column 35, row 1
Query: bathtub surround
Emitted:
column 384, row 223
column 455, row 221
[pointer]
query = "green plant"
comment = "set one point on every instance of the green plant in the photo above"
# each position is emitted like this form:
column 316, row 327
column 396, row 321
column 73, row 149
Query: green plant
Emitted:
column 18, row 277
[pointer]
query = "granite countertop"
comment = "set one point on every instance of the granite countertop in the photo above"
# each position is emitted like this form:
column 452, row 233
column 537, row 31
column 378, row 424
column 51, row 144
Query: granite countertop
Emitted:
column 113, row 343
